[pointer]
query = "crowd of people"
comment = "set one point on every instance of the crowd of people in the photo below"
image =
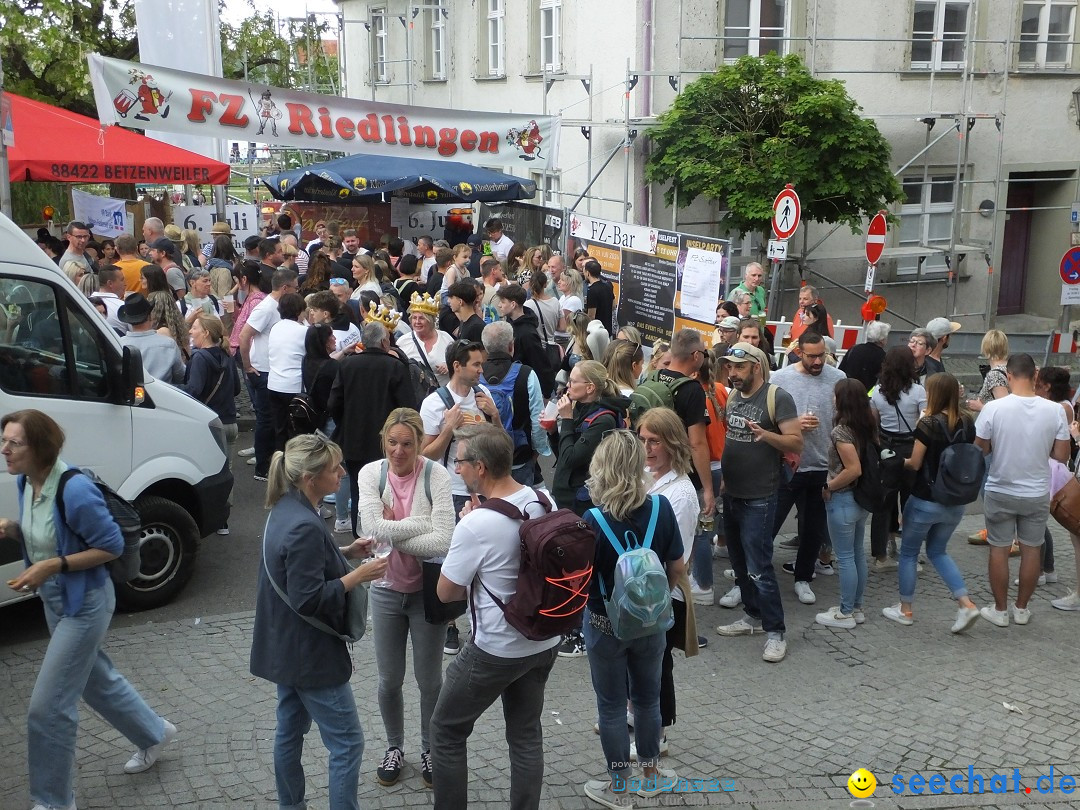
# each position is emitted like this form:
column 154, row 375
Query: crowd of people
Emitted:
column 410, row 399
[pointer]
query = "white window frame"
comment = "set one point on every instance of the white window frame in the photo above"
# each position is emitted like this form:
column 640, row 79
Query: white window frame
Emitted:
column 496, row 37
column 380, row 67
column 1042, row 37
column 437, row 42
column 936, row 37
column 550, row 12
column 926, row 211
column 553, row 193
column 753, row 35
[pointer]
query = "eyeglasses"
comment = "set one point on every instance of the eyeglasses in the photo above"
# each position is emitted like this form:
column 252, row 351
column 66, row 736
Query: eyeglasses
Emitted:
column 916, row 342
column 467, row 460
column 650, row 442
column 338, row 281
column 14, row 444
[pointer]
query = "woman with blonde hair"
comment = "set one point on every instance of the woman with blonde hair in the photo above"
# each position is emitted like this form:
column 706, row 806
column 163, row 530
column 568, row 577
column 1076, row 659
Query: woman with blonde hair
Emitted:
column 995, row 348
column 667, row 472
column 533, row 262
column 657, row 358
column 405, row 499
column 626, row 670
column 571, row 295
column 303, row 569
column 624, row 361
column 363, row 271
column 192, row 248
column 578, row 347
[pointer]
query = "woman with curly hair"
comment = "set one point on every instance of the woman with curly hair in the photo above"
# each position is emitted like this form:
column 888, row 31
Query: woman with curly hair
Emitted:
column 167, row 320
column 318, row 274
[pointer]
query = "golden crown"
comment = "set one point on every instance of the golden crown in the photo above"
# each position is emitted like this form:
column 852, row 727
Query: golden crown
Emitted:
column 426, row 304
column 388, row 317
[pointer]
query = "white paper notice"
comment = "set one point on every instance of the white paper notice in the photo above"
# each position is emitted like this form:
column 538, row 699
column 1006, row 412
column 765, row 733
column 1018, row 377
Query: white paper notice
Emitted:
column 701, row 284
column 399, row 212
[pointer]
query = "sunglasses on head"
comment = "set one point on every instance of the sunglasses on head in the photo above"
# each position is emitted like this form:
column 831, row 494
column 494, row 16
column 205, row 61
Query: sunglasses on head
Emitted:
column 740, row 353
column 338, row 281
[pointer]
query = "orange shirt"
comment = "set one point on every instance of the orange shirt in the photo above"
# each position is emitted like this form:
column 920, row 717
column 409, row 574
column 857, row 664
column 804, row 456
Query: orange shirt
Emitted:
column 716, row 430
column 132, row 273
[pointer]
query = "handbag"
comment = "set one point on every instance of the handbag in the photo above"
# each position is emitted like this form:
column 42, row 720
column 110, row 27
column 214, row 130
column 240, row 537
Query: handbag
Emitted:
column 356, row 606
column 437, row 611
column 1065, row 506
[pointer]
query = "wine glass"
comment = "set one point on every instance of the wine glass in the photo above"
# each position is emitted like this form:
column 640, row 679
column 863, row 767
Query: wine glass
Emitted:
column 381, row 548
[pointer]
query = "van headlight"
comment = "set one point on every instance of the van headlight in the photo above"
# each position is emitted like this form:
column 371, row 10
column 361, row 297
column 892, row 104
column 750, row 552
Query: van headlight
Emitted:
column 217, row 430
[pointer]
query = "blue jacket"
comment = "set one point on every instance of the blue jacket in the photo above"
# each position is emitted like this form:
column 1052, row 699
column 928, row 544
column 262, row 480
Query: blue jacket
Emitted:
column 91, row 519
column 306, row 563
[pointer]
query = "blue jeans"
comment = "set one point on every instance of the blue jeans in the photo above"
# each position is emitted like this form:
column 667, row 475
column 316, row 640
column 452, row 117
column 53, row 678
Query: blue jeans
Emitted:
column 933, row 523
column 341, row 499
column 804, row 493
column 264, row 420
column 334, row 709
column 622, row 669
column 473, row 681
column 748, row 525
column 701, row 564
column 847, row 527
column 75, row 667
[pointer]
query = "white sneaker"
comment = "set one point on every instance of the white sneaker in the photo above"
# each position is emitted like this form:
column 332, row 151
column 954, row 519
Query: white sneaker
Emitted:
column 246, row 452
column 894, row 613
column 965, row 617
column 833, row 617
column 790, row 543
column 775, row 650
column 825, row 569
column 43, row 807
column 1042, row 580
column 732, row 598
column 880, row 566
column 1020, row 615
column 145, row 758
column 995, row 616
column 729, row 573
column 663, row 749
column 251, row 461
column 742, row 627
column 701, row 596
column 343, row 526
column 224, row 530
column 1070, row 602
column 858, row 615
column 805, row 594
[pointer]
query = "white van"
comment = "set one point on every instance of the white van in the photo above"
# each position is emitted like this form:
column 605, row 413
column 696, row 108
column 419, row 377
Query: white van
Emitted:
column 156, row 446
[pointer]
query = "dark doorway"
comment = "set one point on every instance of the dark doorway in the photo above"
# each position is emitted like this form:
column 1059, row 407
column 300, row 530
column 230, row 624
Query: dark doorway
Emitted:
column 1014, row 248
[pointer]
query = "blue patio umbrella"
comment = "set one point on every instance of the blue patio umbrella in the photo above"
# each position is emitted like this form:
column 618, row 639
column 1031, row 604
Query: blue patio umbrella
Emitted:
column 364, row 178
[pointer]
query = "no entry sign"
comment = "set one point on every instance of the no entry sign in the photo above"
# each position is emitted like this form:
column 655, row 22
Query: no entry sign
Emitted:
column 786, row 212
column 875, row 238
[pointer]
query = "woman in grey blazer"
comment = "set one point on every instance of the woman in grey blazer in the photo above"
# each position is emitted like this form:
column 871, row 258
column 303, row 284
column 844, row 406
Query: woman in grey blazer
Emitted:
column 310, row 667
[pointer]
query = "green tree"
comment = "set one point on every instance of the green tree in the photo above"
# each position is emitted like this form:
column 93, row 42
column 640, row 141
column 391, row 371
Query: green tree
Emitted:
column 740, row 134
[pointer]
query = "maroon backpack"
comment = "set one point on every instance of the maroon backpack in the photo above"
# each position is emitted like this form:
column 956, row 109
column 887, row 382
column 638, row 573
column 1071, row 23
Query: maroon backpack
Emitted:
column 557, row 552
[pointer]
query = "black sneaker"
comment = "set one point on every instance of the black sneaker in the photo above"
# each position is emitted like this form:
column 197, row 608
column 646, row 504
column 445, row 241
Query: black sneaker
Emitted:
column 573, row 645
column 789, row 567
column 425, row 769
column 452, row 645
column 387, row 774
column 702, row 642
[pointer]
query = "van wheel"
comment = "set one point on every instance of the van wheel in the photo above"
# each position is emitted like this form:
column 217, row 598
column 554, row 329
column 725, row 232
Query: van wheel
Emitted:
column 168, row 544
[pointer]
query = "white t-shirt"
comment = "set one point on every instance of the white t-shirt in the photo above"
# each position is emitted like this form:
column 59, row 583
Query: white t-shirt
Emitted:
column 425, row 268
column 415, row 350
column 1022, row 432
column 501, row 249
column 486, row 545
column 286, row 355
column 432, row 411
column 262, row 320
column 346, row 337
column 570, row 303
column 682, row 496
column 367, row 286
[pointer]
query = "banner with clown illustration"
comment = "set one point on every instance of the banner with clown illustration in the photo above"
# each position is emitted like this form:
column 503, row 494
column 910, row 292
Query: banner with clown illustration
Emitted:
column 166, row 100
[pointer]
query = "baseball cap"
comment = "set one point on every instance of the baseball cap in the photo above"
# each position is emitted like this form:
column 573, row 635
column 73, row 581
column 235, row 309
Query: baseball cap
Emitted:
column 746, row 353
column 730, row 322
column 474, row 240
column 940, row 327
column 252, row 242
column 165, row 245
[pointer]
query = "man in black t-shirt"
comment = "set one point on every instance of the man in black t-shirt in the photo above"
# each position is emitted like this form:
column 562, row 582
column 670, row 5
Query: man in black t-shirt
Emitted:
column 600, row 299
column 461, row 296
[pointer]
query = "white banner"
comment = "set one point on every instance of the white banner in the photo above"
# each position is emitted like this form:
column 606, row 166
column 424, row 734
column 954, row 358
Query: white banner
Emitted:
column 242, row 219
column 105, row 216
column 615, row 234
column 157, row 98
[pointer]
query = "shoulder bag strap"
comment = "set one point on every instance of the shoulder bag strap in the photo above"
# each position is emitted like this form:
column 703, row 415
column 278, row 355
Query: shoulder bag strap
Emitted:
column 382, row 476
column 543, row 325
column 217, row 385
column 900, row 416
column 605, row 527
column 318, row 625
column 770, row 399
column 423, row 355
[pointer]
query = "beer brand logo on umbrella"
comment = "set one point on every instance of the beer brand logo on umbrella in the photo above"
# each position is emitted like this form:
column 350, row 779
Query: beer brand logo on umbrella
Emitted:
column 359, row 183
column 432, row 194
column 147, row 97
column 465, row 188
column 527, row 139
column 284, row 184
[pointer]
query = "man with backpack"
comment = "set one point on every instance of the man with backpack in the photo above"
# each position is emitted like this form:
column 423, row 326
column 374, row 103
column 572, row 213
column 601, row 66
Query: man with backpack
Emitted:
column 1022, row 431
column 515, row 390
column 673, row 387
column 483, row 565
column 757, row 438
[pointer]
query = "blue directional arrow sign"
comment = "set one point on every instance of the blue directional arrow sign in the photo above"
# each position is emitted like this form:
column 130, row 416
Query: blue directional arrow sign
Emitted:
column 1070, row 266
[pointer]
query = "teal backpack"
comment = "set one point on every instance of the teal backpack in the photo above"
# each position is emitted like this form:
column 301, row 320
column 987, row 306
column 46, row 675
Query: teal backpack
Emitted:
column 640, row 601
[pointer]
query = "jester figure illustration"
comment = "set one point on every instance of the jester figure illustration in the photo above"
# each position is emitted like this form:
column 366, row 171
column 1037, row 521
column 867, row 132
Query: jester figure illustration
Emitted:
column 268, row 112
column 527, row 139
column 147, row 97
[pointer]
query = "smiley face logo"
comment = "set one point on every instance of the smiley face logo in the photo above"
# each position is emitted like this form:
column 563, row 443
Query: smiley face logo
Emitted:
column 466, row 188
column 359, row 183
column 432, row 194
column 862, row 784
column 343, row 193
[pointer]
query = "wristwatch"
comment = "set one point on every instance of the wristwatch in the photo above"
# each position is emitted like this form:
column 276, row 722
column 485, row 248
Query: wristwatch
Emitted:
column 63, row 564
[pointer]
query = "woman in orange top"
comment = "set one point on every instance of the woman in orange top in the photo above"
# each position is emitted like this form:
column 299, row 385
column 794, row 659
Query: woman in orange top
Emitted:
column 716, row 394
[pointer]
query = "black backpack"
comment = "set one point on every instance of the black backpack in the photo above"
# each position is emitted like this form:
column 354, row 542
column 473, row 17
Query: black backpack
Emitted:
column 303, row 416
column 961, row 468
column 127, row 566
column 879, row 479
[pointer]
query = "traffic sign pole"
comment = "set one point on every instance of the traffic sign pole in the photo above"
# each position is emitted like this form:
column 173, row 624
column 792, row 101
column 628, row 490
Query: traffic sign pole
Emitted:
column 787, row 211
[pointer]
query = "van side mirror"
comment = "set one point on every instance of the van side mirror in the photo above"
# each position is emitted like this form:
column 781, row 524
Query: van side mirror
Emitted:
column 132, row 376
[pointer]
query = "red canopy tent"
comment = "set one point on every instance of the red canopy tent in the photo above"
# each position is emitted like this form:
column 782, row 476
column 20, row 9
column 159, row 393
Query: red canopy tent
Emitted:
column 56, row 145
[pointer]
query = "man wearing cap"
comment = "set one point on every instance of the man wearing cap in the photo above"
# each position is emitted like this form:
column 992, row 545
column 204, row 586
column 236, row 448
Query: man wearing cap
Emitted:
column 726, row 331
column 220, row 228
column 753, row 284
column 941, row 329
column 160, row 354
column 251, row 248
column 175, row 234
column 320, row 236
column 163, row 254
column 757, row 438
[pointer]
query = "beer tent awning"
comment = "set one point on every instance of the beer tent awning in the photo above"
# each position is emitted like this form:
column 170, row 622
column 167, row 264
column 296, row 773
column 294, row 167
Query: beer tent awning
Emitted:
column 55, row 145
column 363, row 178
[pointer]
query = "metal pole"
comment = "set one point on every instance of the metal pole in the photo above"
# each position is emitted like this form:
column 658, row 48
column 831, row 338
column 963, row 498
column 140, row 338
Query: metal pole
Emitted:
column 596, row 176
column 592, row 88
column 544, row 111
column 626, row 152
column 5, row 180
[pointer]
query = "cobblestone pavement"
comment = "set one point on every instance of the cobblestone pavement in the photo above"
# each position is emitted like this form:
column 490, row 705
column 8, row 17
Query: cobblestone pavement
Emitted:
column 896, row 700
